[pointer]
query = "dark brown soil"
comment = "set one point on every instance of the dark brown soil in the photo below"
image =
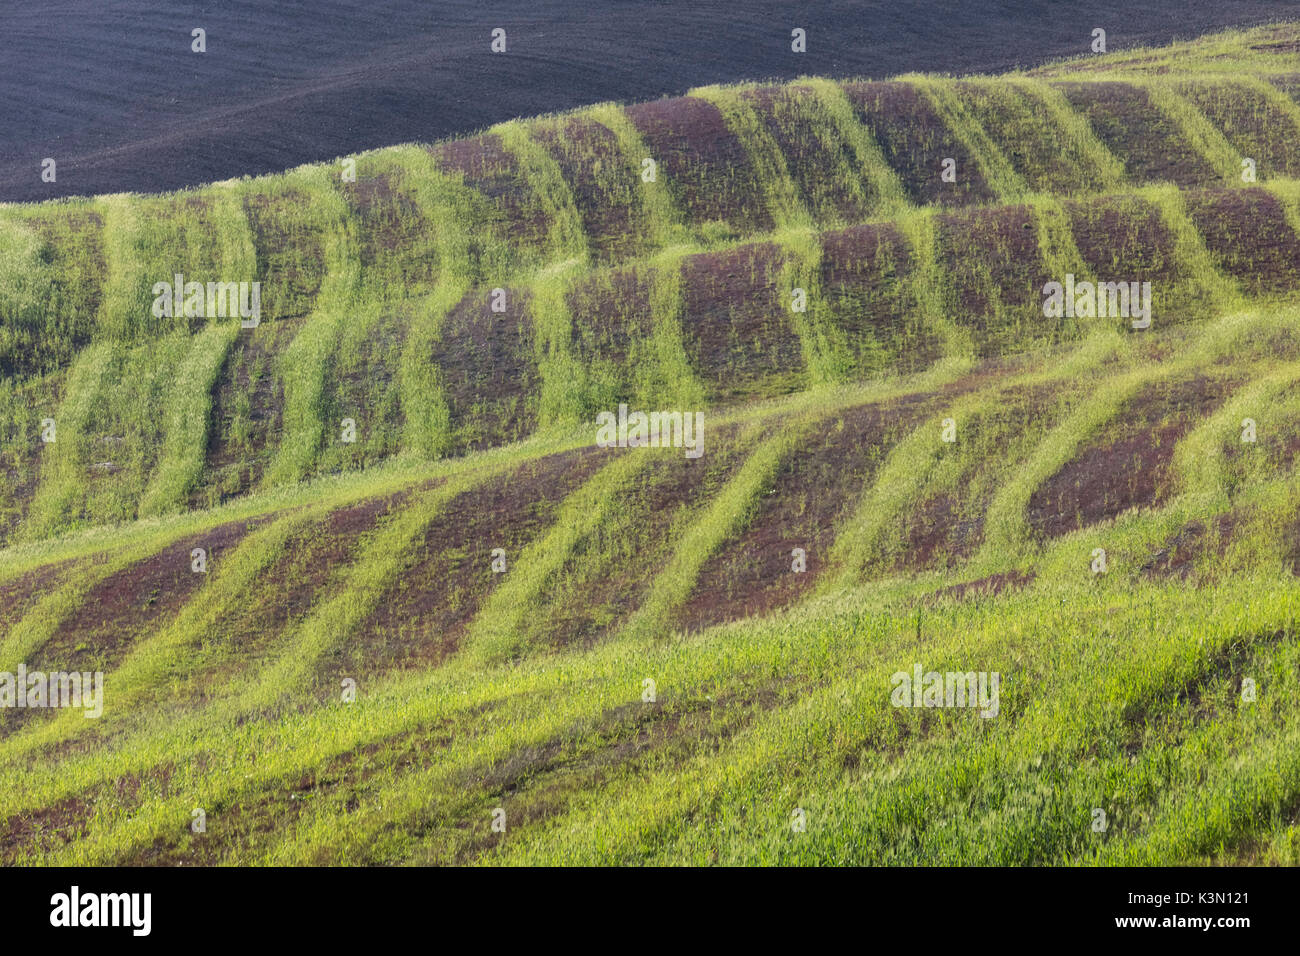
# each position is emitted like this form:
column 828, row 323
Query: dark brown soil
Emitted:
column 1247, row 233
column 19, row 594
column 365, row 388
column 1123, row 229
column 703, row 163
column 737, row 325
column 997, row 275
column 1150, row 146
column 132, row 601
column 613, row 328
column 1129, row 467
column 488, row 371
column 915, row 142
column 864, row 274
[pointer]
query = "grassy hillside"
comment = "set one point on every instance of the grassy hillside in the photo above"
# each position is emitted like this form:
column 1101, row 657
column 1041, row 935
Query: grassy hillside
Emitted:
column 680, row 656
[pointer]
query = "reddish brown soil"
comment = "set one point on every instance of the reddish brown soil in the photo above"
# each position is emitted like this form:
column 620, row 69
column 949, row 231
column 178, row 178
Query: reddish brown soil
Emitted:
column 50, row 827
column 606, row 188
column 864, row 274
column 1150, row 146
column 448, row 576
column 394, row 237
column 985, row 587
column 612, row 318
column 19, row 594
column 488, row 167
column 1129, row 467
column 705, row 166
column 1123, row 229
column 132, row 601
column 736, row 323
column 290, row 260
column 812, row 492
column 1247, row 233
column 997, row 275
column 1253, row 126
column 488, row 371
column 610, row 574
column 915, row 142
column 813, row 152
column 235, row 467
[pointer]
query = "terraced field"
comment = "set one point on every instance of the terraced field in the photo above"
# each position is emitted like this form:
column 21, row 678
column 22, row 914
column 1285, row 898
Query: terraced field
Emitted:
column 365, row 589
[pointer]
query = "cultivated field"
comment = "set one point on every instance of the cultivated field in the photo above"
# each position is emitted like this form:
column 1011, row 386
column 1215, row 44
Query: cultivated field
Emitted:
column 470, row 635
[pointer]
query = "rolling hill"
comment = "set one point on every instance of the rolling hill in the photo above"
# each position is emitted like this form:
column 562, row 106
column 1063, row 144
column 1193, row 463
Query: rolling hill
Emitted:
column 366, row 589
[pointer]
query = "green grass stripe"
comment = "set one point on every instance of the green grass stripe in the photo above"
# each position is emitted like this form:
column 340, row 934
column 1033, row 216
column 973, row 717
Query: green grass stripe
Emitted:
column 1056, row 243
column 782, row 195
column 189, row 407
column 307, row 360
column 1002, row 178
column 825, row 348
column 1076, row 130
column 173, row 654
column 926, row 282
column 667, row 226
column 670, row 379
column 1199, row 457
column 426, row 428
column 720, row 518
column 908, row 468
column 1205, row 282
column 62, row 481
column 1287, row 192
column 1006, row 524
column 568, row 239
column 1203, row 136
column 891, row 198
column 496, row 632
